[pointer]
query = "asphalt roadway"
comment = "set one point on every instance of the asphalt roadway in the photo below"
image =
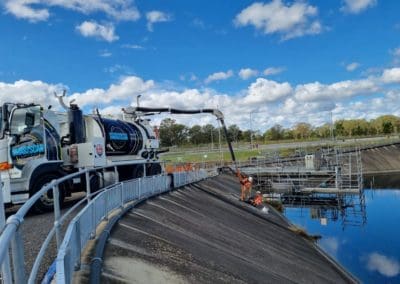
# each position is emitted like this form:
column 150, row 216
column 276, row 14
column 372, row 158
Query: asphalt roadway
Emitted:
column 203, row 234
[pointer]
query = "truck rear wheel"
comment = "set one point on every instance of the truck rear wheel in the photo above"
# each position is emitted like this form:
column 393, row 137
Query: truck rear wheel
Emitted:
column 46, row 203
column 154, row 169
column 138, row 171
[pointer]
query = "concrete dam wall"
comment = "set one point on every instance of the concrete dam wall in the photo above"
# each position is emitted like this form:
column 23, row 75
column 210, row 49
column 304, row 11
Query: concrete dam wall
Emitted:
column 383, row 159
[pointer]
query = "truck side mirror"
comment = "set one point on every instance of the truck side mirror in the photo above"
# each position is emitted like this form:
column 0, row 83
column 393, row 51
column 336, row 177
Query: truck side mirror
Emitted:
column 29, row 119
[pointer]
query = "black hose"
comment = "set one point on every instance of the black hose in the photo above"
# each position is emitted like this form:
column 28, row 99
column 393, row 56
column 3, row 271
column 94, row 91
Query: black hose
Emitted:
column 215, row 112
column 174, row 110
column 229, row 143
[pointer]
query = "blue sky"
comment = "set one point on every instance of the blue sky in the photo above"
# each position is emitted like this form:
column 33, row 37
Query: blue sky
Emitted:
column 282, row 61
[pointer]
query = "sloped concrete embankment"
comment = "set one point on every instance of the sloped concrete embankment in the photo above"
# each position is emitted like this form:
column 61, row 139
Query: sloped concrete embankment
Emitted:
column 382, row 159
column 192, row 236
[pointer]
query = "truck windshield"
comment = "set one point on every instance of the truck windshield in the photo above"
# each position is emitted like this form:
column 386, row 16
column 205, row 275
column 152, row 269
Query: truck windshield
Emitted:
column 24, row 119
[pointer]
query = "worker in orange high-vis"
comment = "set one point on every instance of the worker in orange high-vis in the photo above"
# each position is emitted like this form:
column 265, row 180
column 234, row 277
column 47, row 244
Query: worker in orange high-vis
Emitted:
column 257, row 199
column 245, row 185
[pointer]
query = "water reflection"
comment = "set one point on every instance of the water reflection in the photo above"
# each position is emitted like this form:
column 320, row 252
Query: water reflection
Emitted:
column 386, row 266
column 330, row 245
column 368, row 248
column 349, row 209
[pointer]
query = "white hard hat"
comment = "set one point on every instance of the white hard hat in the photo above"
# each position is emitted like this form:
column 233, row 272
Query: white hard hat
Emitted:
column 250, row 179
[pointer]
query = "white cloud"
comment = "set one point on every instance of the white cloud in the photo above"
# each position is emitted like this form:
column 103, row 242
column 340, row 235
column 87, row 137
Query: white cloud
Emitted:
column 126, row 89
column 105, row 53
column 218, row 76
column 295, row 20
column 22, row 10
column 339, row 90
column 357, row 6
column 38, row 10
column 132, row 46
column 391, row 75
column 246, row 73
column 330, row 245
column 269, row 101
column 396, row 52
column 352, row 66
column 156, row 17
column 30, row 92
column 264, row 91
column 93, row 29
column 386, row 266
column 273, row 71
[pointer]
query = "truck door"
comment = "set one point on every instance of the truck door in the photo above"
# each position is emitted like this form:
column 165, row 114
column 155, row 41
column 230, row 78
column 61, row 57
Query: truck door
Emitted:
column 27, row 130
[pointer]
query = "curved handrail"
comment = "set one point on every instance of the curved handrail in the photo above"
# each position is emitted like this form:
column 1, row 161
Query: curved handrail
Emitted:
column 14, row 221
column 11, row 235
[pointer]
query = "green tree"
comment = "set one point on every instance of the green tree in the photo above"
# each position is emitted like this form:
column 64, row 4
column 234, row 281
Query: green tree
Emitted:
column 210, row 133
column 380, row 121
column 387, row 127
column 196, row 135
column 234, row 133
column 302, row 130
column 274, row 133
column 323, row 131
column 339, row 129
column 246, row 136
column 172, row 133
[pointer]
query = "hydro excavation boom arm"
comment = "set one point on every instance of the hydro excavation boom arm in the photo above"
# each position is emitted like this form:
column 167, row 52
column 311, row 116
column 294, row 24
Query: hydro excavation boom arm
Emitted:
column 216, row 112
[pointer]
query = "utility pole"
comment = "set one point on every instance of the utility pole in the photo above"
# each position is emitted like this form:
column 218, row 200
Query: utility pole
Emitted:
column 212, row 140
column 220, row 144
column 332, row 136
column 251, row 132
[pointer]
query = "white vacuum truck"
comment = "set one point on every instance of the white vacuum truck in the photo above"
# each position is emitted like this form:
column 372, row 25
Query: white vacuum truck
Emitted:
column 38, row 145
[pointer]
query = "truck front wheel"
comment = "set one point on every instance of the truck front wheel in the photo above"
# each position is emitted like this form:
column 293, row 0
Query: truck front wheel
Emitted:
column 46, row 202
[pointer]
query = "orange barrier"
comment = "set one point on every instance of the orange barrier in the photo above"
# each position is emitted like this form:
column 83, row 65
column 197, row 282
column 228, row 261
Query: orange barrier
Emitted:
column 181, row 168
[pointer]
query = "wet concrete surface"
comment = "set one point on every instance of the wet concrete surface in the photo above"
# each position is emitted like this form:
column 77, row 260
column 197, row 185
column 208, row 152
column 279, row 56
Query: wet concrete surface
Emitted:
column 381, row 159
column 192, row 236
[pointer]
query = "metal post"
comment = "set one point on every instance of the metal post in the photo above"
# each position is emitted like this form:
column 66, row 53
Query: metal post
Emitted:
column 87, row 178
column 251, row 132
column 212, row 140
column 121, row 187
column 116, row 174
column 106, row 205
column 140, row 185
column 350, row 170
column 331, row 128
column 336, row 177
column 17, row 250
column 5, row 267
column 57, row 225
column 78, row 244
column 220, row 144
column 93, row 233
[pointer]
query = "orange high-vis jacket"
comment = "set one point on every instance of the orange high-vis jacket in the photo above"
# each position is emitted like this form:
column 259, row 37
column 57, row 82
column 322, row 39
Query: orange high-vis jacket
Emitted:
column 244, row 181
column 257, row 200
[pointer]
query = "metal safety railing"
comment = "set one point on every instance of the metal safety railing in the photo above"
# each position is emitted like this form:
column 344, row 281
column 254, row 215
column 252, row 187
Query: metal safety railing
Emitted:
column 83, row 226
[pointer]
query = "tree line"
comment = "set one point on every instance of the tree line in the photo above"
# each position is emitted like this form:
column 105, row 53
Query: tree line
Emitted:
column 173, row 133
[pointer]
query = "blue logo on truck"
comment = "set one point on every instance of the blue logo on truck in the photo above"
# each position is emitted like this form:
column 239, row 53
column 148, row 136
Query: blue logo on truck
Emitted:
column 28, row 150
column 118, row 136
